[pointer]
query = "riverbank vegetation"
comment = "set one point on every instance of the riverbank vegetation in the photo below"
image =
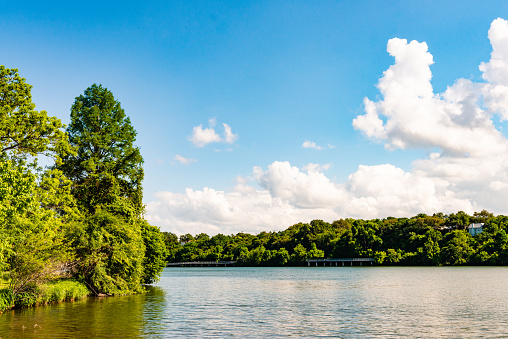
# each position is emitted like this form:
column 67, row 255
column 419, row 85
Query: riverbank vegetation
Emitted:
column 75, row 226
column 420, row 240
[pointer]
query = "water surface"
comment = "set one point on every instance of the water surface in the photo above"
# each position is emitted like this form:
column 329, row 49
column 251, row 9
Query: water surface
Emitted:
column 344, row 302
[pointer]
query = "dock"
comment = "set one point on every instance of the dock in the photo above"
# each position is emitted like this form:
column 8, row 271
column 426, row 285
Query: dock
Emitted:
column 343, row 261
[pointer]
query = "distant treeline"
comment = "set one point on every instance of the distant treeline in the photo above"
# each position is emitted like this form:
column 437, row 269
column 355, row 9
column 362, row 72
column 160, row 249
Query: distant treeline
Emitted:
column 421, row 240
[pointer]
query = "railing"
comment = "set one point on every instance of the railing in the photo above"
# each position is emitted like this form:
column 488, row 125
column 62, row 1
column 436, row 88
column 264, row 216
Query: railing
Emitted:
column 340, row 259
column 318, row 261
column 202, row 263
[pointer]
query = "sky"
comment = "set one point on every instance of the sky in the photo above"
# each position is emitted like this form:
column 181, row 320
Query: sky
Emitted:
column 256, row 115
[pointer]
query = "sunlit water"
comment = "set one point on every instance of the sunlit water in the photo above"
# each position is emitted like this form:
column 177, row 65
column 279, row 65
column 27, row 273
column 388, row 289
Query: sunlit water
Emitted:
column 344, row 302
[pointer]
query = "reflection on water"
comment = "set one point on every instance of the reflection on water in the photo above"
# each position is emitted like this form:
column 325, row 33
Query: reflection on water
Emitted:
column 89, row 318
column 347, row 302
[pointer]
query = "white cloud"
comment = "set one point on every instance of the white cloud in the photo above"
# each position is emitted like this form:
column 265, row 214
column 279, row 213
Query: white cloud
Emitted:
column 418, row 118
column 316, row 167
column 183, row 160
column 495, row 72
column 229, row 137
column 311, row 144
column 213, row 212
column 385, row 190
column 466, row 169
column 473, row 158
column 305, row 190
column 203, row 136
column 289, row 196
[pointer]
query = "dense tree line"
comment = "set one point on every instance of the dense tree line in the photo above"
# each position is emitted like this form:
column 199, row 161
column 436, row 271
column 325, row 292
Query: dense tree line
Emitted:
column 421, row 240
column 81, row 216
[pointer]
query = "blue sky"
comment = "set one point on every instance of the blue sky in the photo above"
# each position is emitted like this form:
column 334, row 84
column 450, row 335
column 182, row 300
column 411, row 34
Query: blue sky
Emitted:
column 278, row 74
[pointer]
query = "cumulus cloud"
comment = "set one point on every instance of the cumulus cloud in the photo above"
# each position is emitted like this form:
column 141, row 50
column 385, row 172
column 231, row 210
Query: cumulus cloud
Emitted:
column 288, row 195
column 215, row 212
column 466, row 169
column 183, row 160
column 385, row 190
column 473, row 154
column 495, row 72
column 305, row 190
column 203, row 136
column 416, row 117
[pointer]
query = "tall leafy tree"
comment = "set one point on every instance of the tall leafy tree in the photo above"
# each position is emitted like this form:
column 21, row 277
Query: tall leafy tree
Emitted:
column 23, row 130
column 32, row 246
column 116, row 249
column 107, row 165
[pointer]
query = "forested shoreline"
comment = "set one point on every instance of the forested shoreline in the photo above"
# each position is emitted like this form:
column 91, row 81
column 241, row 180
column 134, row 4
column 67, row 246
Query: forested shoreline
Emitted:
column 75, row 226
column 420, row 240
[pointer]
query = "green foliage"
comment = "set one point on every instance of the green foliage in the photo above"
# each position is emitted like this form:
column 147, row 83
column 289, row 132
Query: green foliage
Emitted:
column 109, row 252
column 107, row 165
column 32, row 202
column 39, row 252
column 17, row 187
column 23, row 130
column 420, row 240
column 457, row 248
column 32, row 246
column 299, row 255
column 81, row 217
column 156, row 252
column 315, row 252
column 6, row 299
column 116, row 248
column 54, row 193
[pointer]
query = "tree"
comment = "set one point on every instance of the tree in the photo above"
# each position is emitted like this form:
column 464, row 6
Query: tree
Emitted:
column 32, row 243
column 116, row 248
column 460, row 220
column 315, row 252
column 172, row 245
column 23, row 130
column 110, row 251
column 155, row 253
column 107, row 165
column 482, row 216
column 457, row 248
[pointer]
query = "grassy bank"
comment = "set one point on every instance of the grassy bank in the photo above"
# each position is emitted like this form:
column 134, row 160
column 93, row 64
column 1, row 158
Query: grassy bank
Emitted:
column 54, row 291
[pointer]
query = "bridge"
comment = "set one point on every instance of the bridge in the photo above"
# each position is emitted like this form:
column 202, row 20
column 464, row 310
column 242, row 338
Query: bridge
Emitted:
column 201, row 264
column 343, row 261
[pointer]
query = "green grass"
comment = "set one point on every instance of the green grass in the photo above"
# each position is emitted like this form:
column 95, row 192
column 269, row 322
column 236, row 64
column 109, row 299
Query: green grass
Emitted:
column 6, row 299
column 62, row 290
column 54, row 291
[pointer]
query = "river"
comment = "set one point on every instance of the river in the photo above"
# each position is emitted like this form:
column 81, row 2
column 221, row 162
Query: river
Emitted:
column 336, row 302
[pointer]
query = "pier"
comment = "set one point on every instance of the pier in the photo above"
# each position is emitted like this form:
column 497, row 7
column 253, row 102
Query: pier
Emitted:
column 342, row 261
column 201, row 264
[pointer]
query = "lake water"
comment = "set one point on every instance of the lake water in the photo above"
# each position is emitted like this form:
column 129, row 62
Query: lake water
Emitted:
column 343, row 302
